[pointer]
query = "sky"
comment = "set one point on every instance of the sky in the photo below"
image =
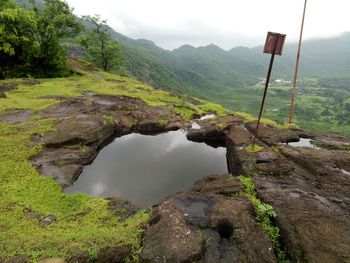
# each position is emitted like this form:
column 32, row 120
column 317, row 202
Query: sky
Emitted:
column 226, row 23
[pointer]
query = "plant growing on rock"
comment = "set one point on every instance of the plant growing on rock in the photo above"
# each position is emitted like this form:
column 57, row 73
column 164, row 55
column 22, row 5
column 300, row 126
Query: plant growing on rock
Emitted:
column 264, row 214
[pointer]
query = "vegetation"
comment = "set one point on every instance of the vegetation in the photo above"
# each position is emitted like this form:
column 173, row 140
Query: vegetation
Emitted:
column 82, row 223
column 101, row 49
column 254, row 148
column 30, row 38
column 264, row 215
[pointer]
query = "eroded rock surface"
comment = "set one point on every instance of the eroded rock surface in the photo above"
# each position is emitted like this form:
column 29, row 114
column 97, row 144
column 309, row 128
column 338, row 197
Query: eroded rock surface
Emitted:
column 206, row 226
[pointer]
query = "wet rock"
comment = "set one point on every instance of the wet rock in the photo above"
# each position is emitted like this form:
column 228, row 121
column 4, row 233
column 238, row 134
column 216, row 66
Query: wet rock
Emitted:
column 313, row 228
column 169, row 238
column 121, row 208
column 271, row 135
column 206, row 227
column 219, row 184
column 214, row 129
column 332, row 141
column 83, row 129
column 15, row 116
column 64, row 164
column 118, row 254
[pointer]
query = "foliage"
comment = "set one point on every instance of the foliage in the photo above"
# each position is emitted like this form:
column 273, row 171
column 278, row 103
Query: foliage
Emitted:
column 264, row 215
column 30, row 38
column 102, row 50
column 17, row 26
column 54, row 23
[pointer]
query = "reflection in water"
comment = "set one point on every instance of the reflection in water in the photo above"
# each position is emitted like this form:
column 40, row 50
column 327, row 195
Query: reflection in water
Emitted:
column 145, row 169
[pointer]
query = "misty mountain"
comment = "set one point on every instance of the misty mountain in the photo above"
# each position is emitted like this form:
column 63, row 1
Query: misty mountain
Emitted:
column 212, row 69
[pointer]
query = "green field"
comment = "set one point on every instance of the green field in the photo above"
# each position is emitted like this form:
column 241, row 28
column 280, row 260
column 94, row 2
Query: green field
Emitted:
column 320, row 106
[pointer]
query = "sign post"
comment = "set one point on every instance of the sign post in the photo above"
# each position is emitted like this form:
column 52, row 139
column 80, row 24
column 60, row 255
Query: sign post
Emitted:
column 273, row 45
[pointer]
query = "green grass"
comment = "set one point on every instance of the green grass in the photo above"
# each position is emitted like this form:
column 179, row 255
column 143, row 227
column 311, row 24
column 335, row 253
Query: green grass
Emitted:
column 264, row 215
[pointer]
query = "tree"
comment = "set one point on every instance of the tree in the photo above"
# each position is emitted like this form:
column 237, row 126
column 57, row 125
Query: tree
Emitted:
column 17, row 26
column 54, row 23
column 101, row 49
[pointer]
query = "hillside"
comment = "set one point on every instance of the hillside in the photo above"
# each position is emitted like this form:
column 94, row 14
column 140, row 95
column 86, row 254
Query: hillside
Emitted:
column 50, row 129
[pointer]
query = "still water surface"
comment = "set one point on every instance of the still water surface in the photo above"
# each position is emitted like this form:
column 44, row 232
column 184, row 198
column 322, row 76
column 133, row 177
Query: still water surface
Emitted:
column 145, row 169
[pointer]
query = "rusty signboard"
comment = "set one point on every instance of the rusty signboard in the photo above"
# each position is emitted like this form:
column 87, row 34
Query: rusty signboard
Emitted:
column 274, row 43
column 274, row 46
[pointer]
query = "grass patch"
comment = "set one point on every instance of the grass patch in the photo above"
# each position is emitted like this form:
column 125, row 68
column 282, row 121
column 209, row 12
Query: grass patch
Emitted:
column 264, row 215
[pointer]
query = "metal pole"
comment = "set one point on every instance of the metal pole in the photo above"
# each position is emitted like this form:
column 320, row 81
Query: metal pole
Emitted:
column 297, row 68
column 265, row 91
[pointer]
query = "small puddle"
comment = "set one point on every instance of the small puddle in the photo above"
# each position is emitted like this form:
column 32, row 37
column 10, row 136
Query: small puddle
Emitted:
column 303, row 142
column 345, row 172
column 145, row 169
column 195, row 126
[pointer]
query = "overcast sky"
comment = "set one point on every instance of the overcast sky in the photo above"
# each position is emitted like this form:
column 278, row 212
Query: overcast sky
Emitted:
column 226, row 23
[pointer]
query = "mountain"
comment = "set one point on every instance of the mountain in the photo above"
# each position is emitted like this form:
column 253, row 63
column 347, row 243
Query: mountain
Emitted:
column 213, row 69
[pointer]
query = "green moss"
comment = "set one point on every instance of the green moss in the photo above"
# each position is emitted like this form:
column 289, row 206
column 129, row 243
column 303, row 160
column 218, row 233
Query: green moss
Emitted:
column 254, row 148
column 247, row 117
column 163, row 123
column 275, row 149
column 264, row 215
column 109, row 119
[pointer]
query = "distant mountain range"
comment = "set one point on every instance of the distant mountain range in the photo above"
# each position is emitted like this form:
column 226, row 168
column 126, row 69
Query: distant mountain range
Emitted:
column 210, row 68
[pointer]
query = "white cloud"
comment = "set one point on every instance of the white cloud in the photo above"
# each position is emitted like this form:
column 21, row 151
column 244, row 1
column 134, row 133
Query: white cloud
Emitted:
column 224, row 22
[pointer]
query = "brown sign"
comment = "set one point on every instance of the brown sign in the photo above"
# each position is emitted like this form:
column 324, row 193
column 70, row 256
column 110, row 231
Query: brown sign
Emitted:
column 274, row 43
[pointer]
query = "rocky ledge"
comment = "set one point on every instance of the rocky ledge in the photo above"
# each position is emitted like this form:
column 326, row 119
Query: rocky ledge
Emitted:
column 308, row 187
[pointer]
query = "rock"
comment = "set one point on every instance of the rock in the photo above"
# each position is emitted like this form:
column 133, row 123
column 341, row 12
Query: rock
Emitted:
column 219, row 184
column 118, row 254
column 214, row 129
column 271, row 135
column 64, row 164
column 18, row 259
column 204, row 227
column 4, row 87
column 121, row 208
column 313, row 228
column 52, row 260
column 81, row 129
column 47, row 220
column 15, row 116
column 239, row 136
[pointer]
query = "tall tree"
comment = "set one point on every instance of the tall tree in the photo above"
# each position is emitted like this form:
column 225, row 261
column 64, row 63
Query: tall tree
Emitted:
column 17, row 26
column 101, row 49
column 54, row 23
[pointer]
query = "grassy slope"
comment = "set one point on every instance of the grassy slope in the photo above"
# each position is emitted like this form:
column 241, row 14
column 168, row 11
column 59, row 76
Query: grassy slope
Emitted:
column 83, row 222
